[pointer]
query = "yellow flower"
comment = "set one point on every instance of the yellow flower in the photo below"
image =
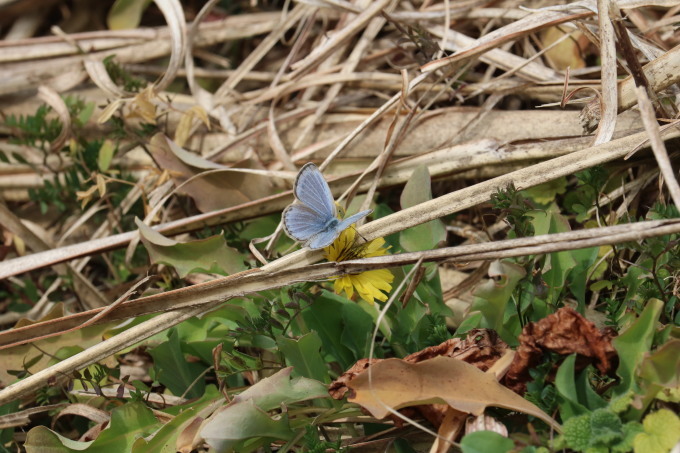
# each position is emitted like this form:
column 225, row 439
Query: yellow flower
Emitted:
column 370, row 284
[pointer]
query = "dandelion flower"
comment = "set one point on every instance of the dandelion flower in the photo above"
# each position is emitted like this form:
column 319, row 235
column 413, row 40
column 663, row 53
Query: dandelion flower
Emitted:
column 370, row 285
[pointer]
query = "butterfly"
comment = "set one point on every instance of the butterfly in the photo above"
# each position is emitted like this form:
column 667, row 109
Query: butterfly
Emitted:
column 313, row 218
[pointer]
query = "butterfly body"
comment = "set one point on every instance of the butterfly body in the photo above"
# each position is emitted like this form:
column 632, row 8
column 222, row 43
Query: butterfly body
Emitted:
column 313, row 218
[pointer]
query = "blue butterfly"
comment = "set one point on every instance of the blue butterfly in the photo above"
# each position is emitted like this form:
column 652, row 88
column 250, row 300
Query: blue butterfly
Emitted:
column 314, row 220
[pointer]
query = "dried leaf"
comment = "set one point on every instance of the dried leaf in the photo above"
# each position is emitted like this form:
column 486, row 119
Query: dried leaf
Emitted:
column 564, row 332
column 142, row 106
column 101, row 185
column 186, row 121
column 566, row 54
column 110, row 110
column 211, row 191
column 396, row 384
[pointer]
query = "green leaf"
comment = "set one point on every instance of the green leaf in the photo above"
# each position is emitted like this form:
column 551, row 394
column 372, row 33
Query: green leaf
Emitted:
column 634, row 343
column 578, row 277
column 322, row 317
column 547, row 192
column 242, row 421
column 564, row 383
column 208, row 255
column 175, row 372
column 557, row 265
column 106, row 152
column 357, row 331
column 270, row 393
column 472, row 321
column 486, row 441
column 662, row 432
column 165, row 439
column 128, row 423
column 428, row 235
column 493, row 295
column 125, row 14
column 662, row 367
column 303, row 354
column 245, row 418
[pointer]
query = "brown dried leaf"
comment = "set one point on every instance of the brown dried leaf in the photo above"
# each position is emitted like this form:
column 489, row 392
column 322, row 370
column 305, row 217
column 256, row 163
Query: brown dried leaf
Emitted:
column 564, row 332
column 142, row 106
column 186, row 121
column 481, row 348
column 212, row 191
column 566, row 54
column 396, row 384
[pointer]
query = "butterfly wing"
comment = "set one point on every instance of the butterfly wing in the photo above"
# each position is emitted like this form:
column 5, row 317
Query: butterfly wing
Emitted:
column 313, row 191
column 301, row 222
column 324, row 238
column 345, row 223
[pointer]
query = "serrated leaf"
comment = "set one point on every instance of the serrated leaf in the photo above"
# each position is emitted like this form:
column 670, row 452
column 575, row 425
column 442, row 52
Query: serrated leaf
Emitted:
column 208, row 255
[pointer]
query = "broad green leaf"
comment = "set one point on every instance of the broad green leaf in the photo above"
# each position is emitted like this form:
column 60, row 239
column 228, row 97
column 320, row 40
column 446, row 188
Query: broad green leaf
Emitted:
column 174, row 371
column 662, row 367
column 428, row 235
column 322, row 317
column 634, row 343
column 485, row 442
column 280, row 388
column 547, row 192
column 662, row 433
column 7, row 434
column 125, row 14
column 589, row 397
column 557, row 265
column 208, row 255
column 165, row 439
column 41, row 439
column 128, row 423
column 472, row 321
column 564, row 383
column 241, row 421
column 357, row 331
column 305, row 356
column 245, row 416
column 578, row 278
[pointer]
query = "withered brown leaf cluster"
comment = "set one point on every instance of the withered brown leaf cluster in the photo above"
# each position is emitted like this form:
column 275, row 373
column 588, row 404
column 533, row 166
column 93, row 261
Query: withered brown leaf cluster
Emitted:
column 564, row 332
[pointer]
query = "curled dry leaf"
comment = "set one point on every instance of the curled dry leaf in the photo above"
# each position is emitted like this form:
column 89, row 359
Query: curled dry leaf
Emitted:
column 564, row 332
column 212, row 190
column 481, row 348
column 395, row 384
